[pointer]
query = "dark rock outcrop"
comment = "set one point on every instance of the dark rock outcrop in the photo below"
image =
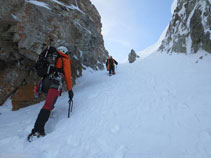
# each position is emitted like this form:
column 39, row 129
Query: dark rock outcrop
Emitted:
column 27, row 27
column 189, row 29
column 132, row 56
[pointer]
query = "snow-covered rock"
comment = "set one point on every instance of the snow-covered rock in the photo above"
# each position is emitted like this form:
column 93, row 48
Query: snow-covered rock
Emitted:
column 190, row 27
column 132, row 56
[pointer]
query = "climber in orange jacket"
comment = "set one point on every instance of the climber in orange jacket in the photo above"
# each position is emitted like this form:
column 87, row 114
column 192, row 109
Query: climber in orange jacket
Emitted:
column 52, row 85
column 110, row 65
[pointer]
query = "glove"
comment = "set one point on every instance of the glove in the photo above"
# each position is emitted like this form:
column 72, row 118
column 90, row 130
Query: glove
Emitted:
column 70, row 95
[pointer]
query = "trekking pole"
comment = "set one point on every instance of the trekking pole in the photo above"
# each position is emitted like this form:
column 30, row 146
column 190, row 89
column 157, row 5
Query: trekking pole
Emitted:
column 70, row 107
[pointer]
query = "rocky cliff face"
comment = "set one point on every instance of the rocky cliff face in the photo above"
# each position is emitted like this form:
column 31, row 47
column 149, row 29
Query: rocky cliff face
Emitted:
column 26, row 27
column 132, row 56
column 190, row 27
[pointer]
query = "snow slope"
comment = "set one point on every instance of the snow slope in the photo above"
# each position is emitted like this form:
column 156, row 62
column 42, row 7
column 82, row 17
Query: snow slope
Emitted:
column 158, row 107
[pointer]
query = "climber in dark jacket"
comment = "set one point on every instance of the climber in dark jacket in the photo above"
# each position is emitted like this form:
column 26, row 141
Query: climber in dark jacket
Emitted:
column 110, row 64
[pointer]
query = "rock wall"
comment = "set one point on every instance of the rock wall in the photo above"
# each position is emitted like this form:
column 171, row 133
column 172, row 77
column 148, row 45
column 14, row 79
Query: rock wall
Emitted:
column 190, row 27
column 132, row 56
column 27, row 27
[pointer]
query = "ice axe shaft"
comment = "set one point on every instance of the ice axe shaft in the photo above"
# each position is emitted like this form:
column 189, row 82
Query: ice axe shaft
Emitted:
column 70, row 107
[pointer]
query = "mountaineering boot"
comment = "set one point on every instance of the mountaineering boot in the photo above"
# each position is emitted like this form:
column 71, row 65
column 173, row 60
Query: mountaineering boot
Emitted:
column 40, row 122
column 32, row 136
column 39, row 125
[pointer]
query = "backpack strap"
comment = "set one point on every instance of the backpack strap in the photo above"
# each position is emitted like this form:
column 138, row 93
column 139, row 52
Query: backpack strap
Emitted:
column 47, row 51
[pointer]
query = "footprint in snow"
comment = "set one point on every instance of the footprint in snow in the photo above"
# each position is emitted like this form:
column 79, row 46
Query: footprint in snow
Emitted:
column 115, row 129
column 120, row 153
column 91, row 96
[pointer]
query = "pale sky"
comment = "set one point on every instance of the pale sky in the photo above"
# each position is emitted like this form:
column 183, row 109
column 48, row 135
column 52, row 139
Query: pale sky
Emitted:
column 132, row 24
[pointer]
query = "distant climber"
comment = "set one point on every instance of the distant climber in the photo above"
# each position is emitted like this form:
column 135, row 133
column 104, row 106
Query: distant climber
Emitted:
column 110, row 64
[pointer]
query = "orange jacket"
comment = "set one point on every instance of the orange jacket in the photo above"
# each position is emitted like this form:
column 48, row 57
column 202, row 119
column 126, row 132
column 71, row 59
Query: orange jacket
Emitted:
column 110, row 62
column 66, row 63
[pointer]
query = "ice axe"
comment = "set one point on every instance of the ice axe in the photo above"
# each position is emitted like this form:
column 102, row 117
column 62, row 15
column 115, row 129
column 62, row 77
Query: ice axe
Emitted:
column 70, row 107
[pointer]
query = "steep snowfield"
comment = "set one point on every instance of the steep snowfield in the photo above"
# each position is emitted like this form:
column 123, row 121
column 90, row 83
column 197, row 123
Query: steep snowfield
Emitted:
column 159, row 107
